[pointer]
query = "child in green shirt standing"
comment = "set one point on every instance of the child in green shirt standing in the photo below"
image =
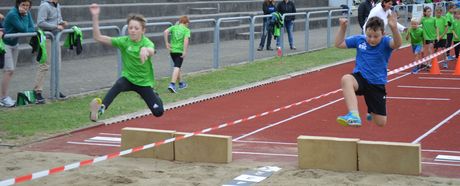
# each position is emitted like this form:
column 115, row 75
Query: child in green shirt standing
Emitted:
column 180, row 35
column 137, row 74
column 415, row 33
column 429, row 32
column 450, row 19
column 456, row 31
column 441, row 32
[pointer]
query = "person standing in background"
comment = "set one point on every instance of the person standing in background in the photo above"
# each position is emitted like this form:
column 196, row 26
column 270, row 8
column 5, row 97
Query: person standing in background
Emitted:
column 267, row 29
column 363, row 11
column 18, row 20
column 180, row 36
column 287, row 6
column 49, row 19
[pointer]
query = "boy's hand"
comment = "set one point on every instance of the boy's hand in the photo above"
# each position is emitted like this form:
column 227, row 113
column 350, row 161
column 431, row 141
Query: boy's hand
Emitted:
column 144, row 55
column 343, row 22
column 393, row 20
column 94, row 9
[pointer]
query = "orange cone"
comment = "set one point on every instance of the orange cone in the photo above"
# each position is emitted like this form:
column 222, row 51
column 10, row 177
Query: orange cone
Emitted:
column 435, row 66
column 457, row 67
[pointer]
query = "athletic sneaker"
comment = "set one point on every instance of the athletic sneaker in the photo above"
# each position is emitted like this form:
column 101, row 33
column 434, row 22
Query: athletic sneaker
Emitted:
column 349, row 120
column 172, row 88
column 7, row 102
column 39, row 98
column 415, row 70
column 444, row 65
column 182, row 85
column 96, row 109
column 369, row 117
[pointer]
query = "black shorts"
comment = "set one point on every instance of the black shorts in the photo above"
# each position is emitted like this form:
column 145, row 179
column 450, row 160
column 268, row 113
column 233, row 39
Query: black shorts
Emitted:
column 428, row 42
column 440, row 44
column 177, row 59
column 374, row 95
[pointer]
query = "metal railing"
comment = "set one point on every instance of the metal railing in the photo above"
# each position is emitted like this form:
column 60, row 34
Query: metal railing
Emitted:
column 57, row 58
column 216, row 52
column 51, row 37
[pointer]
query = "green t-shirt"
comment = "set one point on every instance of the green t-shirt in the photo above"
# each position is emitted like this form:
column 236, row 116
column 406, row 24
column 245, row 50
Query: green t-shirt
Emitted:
column 456, row 29
column 429, row 28
column 450, row 19
column 441, row 24
column 133, row 70
column 178, row 34
column 428, row 1
column 416, row 36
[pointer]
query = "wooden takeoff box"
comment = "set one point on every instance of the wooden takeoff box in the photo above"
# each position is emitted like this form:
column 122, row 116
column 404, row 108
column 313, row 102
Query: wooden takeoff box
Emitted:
column 135, row 137
column 204, row 148
column 389, row 157
column 328, row 153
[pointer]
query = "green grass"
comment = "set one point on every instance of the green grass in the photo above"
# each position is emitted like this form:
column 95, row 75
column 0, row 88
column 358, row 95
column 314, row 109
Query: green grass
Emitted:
column 32, row 121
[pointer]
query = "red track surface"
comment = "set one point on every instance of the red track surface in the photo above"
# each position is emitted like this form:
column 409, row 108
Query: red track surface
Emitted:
column 408, row 118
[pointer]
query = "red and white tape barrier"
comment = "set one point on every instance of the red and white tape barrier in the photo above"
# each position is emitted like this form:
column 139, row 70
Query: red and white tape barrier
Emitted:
column 83, row 163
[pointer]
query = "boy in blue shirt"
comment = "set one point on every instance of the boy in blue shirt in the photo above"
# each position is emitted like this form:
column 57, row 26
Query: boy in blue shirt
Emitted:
column 373, row 50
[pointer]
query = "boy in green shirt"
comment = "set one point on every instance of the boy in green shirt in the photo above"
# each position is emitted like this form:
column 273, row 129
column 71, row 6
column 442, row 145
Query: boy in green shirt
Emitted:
column 441, row 31
column 429, row 33
column 415, row 33
column 180, row 35
column 137, row 74
column 450, row 19
column 456, row 31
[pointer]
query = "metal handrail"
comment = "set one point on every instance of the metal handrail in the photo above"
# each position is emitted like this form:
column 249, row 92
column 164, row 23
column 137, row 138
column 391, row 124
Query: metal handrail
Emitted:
column 52, row 38
column 57, row 58
column 216, row 53
column 252, row 48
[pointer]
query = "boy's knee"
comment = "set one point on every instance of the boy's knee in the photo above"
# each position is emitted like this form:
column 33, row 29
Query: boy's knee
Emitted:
column 380, row 121
column 158, row 112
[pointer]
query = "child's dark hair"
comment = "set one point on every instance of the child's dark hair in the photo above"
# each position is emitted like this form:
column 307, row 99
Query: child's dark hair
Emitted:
column 137, row 17
column 18, row 2
column 425, row 9
column 375, row 24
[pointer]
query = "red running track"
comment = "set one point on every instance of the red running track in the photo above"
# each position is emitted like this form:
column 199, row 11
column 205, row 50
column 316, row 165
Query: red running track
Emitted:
column 415, row 104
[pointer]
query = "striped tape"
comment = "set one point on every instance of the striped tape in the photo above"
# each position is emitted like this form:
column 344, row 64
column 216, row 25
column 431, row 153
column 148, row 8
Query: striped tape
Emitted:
column 98, row 159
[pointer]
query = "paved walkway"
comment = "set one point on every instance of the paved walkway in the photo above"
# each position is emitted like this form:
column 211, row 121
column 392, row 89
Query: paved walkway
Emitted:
column 88, row 74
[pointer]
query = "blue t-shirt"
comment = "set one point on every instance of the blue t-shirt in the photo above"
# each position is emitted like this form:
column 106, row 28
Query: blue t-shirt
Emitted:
column 371, row 61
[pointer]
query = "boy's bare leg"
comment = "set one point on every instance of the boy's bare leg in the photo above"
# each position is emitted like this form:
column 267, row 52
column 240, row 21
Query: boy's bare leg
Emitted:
column 379, row 120
column 349, row 86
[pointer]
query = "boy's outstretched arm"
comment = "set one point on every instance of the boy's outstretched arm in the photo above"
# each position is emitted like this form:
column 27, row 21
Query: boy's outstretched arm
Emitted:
column 397, row 40
column 95, row 10
column 340, row 37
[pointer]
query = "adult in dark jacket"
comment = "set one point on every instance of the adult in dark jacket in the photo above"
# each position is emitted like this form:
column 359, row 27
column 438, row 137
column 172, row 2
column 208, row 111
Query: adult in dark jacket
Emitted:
column 267, row 29
column 363, row 11
column 287, row 6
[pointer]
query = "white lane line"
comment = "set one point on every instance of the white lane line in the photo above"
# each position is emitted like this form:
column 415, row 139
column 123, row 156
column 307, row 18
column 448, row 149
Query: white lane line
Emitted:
column 436, row 127
column 426, row 87
column 108, row 139
column 265, row 142
column 94, row 144
column 441, row 157
column 266, row 154
column 288, row 119
column 439, row 78
column 301, row 114
column 99, row 141
column 426, row 99
column 110, row 134
column 443, row 164
column 444, row 151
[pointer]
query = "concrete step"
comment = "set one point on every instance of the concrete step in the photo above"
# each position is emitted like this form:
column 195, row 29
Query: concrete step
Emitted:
column 245, row 35
column 203, row 10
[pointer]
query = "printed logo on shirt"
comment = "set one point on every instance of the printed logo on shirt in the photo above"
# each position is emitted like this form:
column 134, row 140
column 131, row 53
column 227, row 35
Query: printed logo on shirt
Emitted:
column 362, row 46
